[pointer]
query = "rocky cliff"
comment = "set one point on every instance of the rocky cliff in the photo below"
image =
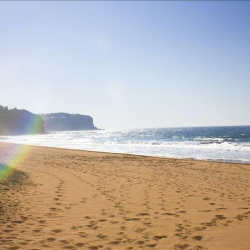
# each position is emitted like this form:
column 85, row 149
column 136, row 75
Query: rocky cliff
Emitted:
column 67, row 122
column 19, row 122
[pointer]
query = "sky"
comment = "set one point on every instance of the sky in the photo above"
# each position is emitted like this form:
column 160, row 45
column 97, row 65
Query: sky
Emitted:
column 128, row 64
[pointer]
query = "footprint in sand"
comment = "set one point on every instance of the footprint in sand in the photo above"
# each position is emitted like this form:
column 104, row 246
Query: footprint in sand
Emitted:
column 50, row 239
column 79, row 244
column 102, row 236
column 64, row 242
column 115, row 242
column 197, row 237
column 56, row 231
column 159, row 237
column 220, row 217
column 180, row 246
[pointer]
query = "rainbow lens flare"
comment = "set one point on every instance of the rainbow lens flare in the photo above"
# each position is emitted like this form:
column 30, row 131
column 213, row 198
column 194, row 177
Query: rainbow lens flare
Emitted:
column 11, row 159
column 12, row 156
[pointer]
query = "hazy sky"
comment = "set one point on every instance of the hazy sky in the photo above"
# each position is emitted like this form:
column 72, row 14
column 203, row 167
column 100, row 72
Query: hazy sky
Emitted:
column 128, row 64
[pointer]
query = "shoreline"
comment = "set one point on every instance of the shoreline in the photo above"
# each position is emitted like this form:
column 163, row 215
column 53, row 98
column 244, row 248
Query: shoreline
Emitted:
column 79, row 199
column 131, row 154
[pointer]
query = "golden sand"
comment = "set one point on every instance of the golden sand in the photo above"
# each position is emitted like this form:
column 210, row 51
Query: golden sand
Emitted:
column 88, row 200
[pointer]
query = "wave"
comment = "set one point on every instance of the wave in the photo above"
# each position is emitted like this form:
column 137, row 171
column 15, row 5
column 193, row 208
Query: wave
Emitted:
column 143, row 142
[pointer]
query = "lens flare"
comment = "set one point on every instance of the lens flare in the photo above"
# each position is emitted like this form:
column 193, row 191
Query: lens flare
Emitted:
column 11, row 159
column 14, row 156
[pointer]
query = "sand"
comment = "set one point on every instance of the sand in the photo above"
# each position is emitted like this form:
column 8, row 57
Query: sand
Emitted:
column 89, row 200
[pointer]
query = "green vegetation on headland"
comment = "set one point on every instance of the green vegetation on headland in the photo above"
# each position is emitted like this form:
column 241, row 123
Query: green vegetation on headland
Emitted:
column 67, row 122
column 19, row 122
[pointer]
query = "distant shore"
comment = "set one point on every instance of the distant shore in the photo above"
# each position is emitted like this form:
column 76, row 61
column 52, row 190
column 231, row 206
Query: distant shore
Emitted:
column 78, row 199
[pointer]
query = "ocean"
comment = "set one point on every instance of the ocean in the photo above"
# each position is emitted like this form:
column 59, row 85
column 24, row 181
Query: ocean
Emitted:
column 229, row 144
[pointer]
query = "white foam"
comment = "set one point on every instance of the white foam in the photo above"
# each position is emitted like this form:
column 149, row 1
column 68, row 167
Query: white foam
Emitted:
column 121, row 142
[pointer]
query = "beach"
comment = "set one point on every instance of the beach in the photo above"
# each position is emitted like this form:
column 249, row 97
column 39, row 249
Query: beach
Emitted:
column 74, row 199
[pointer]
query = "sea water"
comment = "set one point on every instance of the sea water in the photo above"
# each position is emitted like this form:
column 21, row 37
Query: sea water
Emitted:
column 230, row 144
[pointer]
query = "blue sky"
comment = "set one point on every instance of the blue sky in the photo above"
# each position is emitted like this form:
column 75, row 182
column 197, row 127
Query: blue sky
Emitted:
column 128, row 64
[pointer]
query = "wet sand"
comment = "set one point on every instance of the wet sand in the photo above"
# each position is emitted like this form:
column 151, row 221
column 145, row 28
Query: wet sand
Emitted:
column 87, row 200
